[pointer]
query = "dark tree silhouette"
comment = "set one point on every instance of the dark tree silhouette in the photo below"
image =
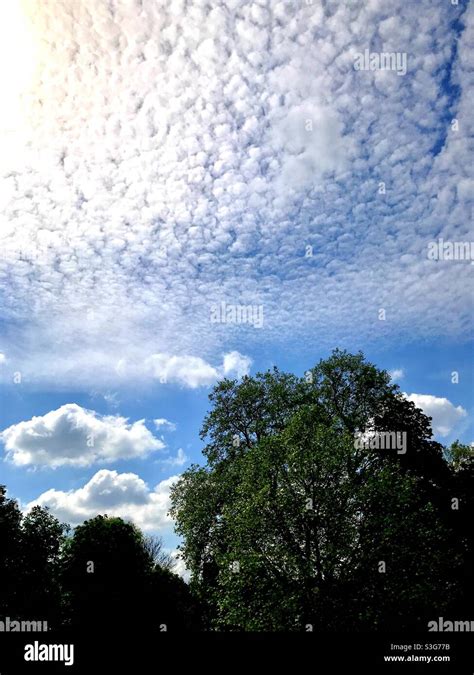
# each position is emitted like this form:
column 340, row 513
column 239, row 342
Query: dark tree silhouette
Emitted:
column 116, row 579
column 10, row 545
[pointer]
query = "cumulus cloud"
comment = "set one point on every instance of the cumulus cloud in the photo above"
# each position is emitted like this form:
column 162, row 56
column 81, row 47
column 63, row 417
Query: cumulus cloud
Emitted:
column 74, row 436
column 3, row 358
column 124, row 495
column 445, row 416
column 213, row 145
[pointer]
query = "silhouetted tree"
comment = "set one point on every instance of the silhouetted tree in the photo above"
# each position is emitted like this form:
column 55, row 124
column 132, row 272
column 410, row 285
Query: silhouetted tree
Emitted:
column 42, row 537
column 105, row 568
column 10, row 546
column 30, row 549
column 116, row 579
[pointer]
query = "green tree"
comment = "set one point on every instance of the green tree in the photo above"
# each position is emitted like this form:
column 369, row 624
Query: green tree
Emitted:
column 290, row 521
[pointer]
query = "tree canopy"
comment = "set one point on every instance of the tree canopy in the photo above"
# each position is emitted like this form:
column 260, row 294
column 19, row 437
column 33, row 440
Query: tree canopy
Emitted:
column 292, row 525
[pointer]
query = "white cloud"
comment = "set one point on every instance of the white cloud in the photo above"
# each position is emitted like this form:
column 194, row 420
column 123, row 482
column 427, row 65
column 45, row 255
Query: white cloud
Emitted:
column 74, row 436
column 164, row 423
column 236, row 365
column 179, row 566
column 111, row 398
column 102, row 369
column 3, row 358
column 179, row 460
column 124, row 495
column 192, row 371
column 397, row 374
column 210, row 148
column 445, row 415
column 310, row 140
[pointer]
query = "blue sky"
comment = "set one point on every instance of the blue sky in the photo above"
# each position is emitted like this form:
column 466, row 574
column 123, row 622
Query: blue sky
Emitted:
column 162, row 159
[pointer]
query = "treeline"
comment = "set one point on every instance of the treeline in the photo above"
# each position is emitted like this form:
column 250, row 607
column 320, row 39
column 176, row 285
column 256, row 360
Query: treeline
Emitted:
column 106, row 576
column 324, row 504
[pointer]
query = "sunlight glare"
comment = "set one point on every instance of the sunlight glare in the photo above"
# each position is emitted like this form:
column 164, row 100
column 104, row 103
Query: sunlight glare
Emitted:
column 17, row 62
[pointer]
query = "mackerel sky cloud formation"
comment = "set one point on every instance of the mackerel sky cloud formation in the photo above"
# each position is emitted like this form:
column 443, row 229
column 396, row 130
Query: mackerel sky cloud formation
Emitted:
column 171, row 156
column 162, row 159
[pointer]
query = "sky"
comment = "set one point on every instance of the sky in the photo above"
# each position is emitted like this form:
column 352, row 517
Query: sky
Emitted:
column 196, row 190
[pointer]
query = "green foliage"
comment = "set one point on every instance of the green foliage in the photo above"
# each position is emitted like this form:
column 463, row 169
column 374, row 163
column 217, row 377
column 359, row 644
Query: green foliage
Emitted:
column 460, row 456
column 289, row 521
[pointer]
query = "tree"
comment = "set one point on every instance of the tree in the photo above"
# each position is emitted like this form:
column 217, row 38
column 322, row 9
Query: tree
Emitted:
column 10, row 542
column 30, row 548
column 291, row 522
column 459, row 504
column 154, row 548
column 106, row 576
column 105, row 570
column 172, row 605
column 116, row 579
column 42, row 538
